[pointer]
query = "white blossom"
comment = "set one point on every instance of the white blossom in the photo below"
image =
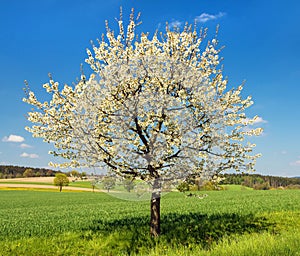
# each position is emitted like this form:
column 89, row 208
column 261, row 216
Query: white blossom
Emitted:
column 153, row 108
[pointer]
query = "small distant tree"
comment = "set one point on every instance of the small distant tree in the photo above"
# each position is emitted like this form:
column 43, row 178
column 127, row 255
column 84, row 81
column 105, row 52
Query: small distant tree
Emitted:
column 28, row 173
column 61, row 180
column 18, row 175
column 49, row 173
column 74, row 173
column 128, row 184
column 93, row 184
column 108, row 183
column 82, row 175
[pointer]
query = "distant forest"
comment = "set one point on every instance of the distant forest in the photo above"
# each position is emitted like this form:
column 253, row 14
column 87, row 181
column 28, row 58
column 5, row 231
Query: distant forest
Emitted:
column 10, row 171
column 255, row 181
column 260, row 182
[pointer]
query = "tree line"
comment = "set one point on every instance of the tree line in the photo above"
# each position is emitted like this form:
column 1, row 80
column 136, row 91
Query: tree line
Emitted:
column 255, row 181
column 258, row 181
column 10, row 171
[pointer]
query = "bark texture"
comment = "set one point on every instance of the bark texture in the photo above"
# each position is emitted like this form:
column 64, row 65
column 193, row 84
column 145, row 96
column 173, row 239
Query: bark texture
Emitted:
column 155, row 209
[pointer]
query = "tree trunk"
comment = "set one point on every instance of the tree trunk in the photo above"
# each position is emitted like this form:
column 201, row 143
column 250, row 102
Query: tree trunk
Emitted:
column 60, row 188
column 155, row 209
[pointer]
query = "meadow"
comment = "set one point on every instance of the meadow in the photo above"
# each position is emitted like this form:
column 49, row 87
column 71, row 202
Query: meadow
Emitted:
column 230, row 222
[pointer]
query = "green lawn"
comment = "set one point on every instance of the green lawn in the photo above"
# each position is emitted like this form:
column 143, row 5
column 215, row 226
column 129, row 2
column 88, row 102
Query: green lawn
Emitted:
column 235, row 187
column 81, row 184
column 230, row 222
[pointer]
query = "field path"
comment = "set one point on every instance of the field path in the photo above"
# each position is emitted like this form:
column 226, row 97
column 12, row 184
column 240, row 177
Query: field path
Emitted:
column 7, row 183
column 30, row 179
column 11, row 185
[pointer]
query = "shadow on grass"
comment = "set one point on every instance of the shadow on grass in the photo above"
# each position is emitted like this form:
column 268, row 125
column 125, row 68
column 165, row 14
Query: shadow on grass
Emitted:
column 131, row 235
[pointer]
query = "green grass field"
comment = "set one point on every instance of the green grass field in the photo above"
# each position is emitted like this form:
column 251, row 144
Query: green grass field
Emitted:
column 80, row 184
column 230, row 222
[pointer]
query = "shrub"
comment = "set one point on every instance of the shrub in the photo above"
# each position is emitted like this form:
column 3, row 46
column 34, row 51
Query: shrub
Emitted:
column 295, row 186
column 262, row 186
column 183, row 187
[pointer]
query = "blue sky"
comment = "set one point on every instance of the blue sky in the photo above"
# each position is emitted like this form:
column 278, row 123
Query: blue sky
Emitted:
column 261, row 39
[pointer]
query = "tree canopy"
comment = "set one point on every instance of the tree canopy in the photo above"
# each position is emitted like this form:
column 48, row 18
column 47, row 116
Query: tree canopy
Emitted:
column 156, row 108
column 61, row 180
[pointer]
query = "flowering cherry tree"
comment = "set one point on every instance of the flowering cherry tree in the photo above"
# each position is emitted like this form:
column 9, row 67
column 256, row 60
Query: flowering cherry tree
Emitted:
column 154, row 108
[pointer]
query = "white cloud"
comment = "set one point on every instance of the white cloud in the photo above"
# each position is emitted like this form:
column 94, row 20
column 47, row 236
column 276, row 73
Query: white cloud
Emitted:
column 13, row 138
column 175, row 23
column 29, row 155
column 158, row 26
column 249, row 127
column 23, row 145
column 204, row 17
column 295, row 163
column 258, row 120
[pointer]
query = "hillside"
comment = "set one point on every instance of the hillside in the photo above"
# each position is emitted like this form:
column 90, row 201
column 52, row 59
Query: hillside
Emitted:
column 258, row 181
column 10, row 171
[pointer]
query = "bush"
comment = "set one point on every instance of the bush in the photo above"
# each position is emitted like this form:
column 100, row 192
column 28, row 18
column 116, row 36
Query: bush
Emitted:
column 209, row 186
column 295, row 186
column 262, row 186
column 183, row 187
